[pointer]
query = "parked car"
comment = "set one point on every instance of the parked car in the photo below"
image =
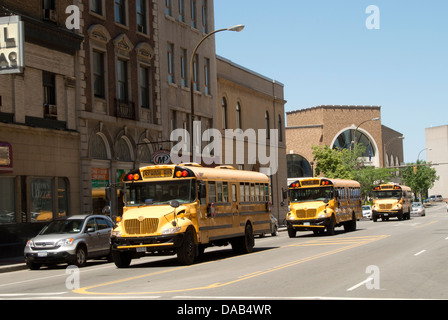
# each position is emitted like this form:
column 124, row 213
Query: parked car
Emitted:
column 436, row 198
column 367, row 212
column 71, row 240
column 274, row 227
column 418, row 208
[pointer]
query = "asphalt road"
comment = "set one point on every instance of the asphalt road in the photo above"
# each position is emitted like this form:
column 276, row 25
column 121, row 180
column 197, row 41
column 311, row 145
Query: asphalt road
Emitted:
column 382, row 260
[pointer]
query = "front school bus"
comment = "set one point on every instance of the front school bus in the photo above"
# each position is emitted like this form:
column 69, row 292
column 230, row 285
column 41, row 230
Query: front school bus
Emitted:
column 391, row 200
column 182, row 209
column 321, row 204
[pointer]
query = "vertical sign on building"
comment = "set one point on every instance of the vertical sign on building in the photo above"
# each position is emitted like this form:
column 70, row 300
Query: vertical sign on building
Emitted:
column 11, row 45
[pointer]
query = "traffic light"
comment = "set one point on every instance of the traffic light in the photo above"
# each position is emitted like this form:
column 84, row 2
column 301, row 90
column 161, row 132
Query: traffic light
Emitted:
column 415, row 169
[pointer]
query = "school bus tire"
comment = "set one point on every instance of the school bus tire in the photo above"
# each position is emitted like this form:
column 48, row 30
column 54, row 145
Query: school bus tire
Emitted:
column 244, row 244
column 292, row 233
column 186, row 253
column 350, row 225
column 330, row 226
column 122, row 259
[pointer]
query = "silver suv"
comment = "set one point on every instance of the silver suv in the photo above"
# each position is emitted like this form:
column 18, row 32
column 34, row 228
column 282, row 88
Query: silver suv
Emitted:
column 73, row 240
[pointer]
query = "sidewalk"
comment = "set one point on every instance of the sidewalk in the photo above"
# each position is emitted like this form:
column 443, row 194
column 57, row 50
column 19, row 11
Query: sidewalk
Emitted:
column 12, row 264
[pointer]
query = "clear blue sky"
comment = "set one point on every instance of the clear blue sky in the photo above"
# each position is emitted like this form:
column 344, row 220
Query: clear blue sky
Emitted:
column 323, row 53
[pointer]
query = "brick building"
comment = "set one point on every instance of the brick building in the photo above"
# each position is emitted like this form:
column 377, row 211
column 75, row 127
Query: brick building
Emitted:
column 39, row 166
column 335, row 126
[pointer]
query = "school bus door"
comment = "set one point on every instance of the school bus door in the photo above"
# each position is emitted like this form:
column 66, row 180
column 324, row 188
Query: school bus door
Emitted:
column 234, row 201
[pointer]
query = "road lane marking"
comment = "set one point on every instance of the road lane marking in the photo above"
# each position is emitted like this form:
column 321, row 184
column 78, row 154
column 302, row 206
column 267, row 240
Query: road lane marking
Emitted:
column 87, row 290
column 356, row 286
column 419, row 253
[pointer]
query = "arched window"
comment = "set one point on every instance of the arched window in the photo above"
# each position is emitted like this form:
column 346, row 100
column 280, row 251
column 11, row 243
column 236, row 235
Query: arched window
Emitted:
column 123, row 151
column 238, row 116
column 297, row 166
column 346, row 139
column 97, row 148
column 224, row 113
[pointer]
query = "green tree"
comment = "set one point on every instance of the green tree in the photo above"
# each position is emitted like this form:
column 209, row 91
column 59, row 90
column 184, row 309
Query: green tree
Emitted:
column 421, row 180
column 369, row 177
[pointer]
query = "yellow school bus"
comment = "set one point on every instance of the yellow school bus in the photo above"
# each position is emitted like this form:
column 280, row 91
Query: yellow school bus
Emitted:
column 391, row 200
column 182, row 209
column 321, row 204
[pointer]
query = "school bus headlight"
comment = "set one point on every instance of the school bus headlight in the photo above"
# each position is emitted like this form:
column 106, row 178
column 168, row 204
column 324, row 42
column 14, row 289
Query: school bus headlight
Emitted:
column 323, row 214
column 171, row 230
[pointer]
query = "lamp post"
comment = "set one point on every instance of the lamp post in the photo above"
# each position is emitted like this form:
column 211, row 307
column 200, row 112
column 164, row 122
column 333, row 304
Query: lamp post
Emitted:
column 356, row 130
column 418, row 157
column 236, row 28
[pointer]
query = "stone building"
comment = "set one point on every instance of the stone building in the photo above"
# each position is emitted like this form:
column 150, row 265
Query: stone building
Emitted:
column 437, row 153
column 251, row 102
column 39, row 141
column 335, row 126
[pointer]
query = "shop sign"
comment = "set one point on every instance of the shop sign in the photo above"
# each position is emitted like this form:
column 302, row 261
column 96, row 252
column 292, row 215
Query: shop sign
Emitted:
column 161, row 157
column 5, row 158
column 11, row 45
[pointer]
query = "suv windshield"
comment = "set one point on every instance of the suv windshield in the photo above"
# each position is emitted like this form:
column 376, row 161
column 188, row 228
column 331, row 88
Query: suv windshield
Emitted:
column 310, row 194
column 63, row 226
column 148, row 193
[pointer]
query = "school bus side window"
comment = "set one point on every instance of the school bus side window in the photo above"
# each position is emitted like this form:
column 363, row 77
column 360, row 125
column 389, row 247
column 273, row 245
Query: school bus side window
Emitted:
column 202, row 192
column 211, row 192
column 247, row 192
column 241, row 192
column 233, row 192
column 219, row 191
column 225, row 191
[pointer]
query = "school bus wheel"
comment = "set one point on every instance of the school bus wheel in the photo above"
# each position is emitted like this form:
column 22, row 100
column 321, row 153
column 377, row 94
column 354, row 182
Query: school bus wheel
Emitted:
column 122, row 259
column 291, row 232
column 330, row 226
column 186, row 253
column 244, row 244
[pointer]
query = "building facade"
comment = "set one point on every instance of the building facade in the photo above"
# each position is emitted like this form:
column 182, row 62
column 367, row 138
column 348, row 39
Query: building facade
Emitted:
column 39, row 141
column 336, row 127
column 120, row 117
column 437, row 141
column 254, row 104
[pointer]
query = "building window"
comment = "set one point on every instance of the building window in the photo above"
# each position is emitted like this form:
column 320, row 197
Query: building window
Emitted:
column 196, row 73
column 183, row 67
column 97, row 148
column 96, row 6
column 145, row 88
column 122, row 84
column 181, row 10
column 280, row 129
column 238, row 116
column 268, row 128
column 123, row 152
column 204, row 16
column 224, row 113
column 41, row 199
column 141, row 16
column 7, row 201
column 346, row 139
column 171, row 78
column 168, row 8
column 98, row 74
column 49, row 86
column 207, row 76
column 49, row 5
column 120, row 11
column 194, row 23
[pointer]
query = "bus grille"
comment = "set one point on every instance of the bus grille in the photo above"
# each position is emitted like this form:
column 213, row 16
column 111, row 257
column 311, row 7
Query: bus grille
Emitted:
column 147, row 226
column 386, row 206
column 306, row 214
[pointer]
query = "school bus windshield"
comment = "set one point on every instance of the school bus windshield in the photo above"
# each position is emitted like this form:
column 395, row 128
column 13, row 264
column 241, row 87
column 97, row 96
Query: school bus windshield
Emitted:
column 311, row 194
column 389, row 194
column 156, row 193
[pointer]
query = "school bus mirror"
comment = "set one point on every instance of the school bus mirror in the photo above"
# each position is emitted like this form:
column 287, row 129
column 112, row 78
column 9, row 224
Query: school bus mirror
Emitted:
column 285, row 194
column 174, row 204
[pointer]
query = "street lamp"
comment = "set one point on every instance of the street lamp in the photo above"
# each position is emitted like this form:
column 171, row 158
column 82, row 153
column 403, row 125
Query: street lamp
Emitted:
column 356, row 130
column 236, row 28
column 418, row 157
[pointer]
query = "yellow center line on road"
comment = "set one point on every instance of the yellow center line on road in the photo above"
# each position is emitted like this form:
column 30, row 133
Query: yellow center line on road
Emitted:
column 87, row 290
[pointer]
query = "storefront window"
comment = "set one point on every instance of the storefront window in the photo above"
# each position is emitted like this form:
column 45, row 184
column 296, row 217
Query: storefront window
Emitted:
column 41, row 199
column 62, row 197
column 7, row 201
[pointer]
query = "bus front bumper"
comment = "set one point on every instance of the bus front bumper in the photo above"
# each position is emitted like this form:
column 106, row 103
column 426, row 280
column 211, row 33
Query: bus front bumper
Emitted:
column 308, row 225
column 147, row 244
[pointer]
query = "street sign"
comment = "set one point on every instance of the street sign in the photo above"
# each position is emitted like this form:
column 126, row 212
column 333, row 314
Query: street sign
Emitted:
column 11, row 45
